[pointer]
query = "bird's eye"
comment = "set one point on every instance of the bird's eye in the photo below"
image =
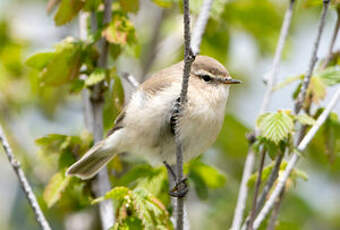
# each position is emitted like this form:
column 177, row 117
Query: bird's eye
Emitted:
column 206, row 77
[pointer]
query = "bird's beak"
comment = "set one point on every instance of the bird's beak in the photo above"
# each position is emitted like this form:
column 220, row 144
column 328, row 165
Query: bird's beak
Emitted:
column 229, row 81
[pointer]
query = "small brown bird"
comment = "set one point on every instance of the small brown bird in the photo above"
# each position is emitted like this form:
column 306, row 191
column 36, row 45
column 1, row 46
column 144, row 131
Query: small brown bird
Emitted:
column 144, row 126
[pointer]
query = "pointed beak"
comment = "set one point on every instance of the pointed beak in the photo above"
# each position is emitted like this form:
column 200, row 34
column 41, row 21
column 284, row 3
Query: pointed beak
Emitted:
column 229, row 81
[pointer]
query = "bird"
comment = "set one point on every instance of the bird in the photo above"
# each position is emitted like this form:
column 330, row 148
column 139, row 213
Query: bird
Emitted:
column 145, row 126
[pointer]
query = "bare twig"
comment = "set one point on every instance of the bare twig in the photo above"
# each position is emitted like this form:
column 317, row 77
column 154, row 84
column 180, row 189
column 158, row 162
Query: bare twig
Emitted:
column 301, row 147
column 333, row 39
column 301, row 97
column 257, row 188
column 189, row 58
column 39, row 215
column 242, row 198
column 275, row 212
column 93, row 104
column 242, row 195
column 270, row 77
column 201, row 22
column 272, row 177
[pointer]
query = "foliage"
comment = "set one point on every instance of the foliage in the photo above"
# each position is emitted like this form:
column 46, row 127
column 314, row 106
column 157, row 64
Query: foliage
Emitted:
column 137, row 209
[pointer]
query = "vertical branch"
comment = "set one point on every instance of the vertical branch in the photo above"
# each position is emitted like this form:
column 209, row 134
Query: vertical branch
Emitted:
column 305, row 84
column 188, row 60
column 39, row 215
column 248, row 167
column 93, row 104
column 189, row 57
column 301, row 147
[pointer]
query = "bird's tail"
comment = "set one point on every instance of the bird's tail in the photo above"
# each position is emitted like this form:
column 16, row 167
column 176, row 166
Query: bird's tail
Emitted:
column 90, row 164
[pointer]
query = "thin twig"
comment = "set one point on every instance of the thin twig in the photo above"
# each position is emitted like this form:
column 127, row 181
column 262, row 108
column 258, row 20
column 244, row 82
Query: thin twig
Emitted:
column 242, row 195
column 189, row 58
column 275, row 212
column 333, row 39
column 101, row 183
column 301, row 97
column 200, row 25
column 269, row 184
column 271, row 76
column 248, row 167
column 257, row 188
column 39, row 215
column 301, row 147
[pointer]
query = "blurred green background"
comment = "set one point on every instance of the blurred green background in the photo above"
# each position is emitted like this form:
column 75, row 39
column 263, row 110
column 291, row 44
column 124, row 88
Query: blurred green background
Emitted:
column 241, row 34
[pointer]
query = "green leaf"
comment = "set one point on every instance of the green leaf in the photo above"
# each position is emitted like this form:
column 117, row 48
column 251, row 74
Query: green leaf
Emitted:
column 117, row 193
column 204, row 176
column 91, row 5
column 67, row 10
column 120, row 31
column 51, row 142
column 330, row 76
column 129, row 5
column 55, row 188
column 40, row 60
column 276, row 126
column 305, row 119
column 95, row 77
column 316, row 90
column 64, row 65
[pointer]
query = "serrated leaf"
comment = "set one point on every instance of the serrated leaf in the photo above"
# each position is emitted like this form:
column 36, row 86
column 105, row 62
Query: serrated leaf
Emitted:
column 40, row 60
column 95, row 77
column 305, row 119
column 276, row 126
column 116, row 193
column 67, row 10
column 330, row 75
column 55, row 188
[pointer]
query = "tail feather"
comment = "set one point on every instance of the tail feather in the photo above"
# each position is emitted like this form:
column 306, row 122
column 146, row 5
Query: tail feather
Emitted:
column 90, row 164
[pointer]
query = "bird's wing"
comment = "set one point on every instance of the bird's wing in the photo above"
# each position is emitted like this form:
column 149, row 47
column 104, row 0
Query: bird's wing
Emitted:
column 155, row 84
column 162, row 79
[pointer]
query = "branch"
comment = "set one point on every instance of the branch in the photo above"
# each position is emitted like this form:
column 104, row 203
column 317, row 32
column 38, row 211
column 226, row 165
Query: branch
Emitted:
column 257, row 188
column 93, row 114
column 242, row 198
column 302, row 94
column 333, row 39
column 39, row 216
column 189, row 57
column 270, row 77
column 275, row 212
column 301, row 147
column 200, row 26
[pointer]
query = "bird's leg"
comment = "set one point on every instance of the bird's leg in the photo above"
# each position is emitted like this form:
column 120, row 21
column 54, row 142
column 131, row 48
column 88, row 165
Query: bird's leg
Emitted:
column 181, row 188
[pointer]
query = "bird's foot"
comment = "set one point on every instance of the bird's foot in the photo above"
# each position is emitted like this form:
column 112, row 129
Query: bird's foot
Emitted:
column 181, row 187
column 180, row 190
